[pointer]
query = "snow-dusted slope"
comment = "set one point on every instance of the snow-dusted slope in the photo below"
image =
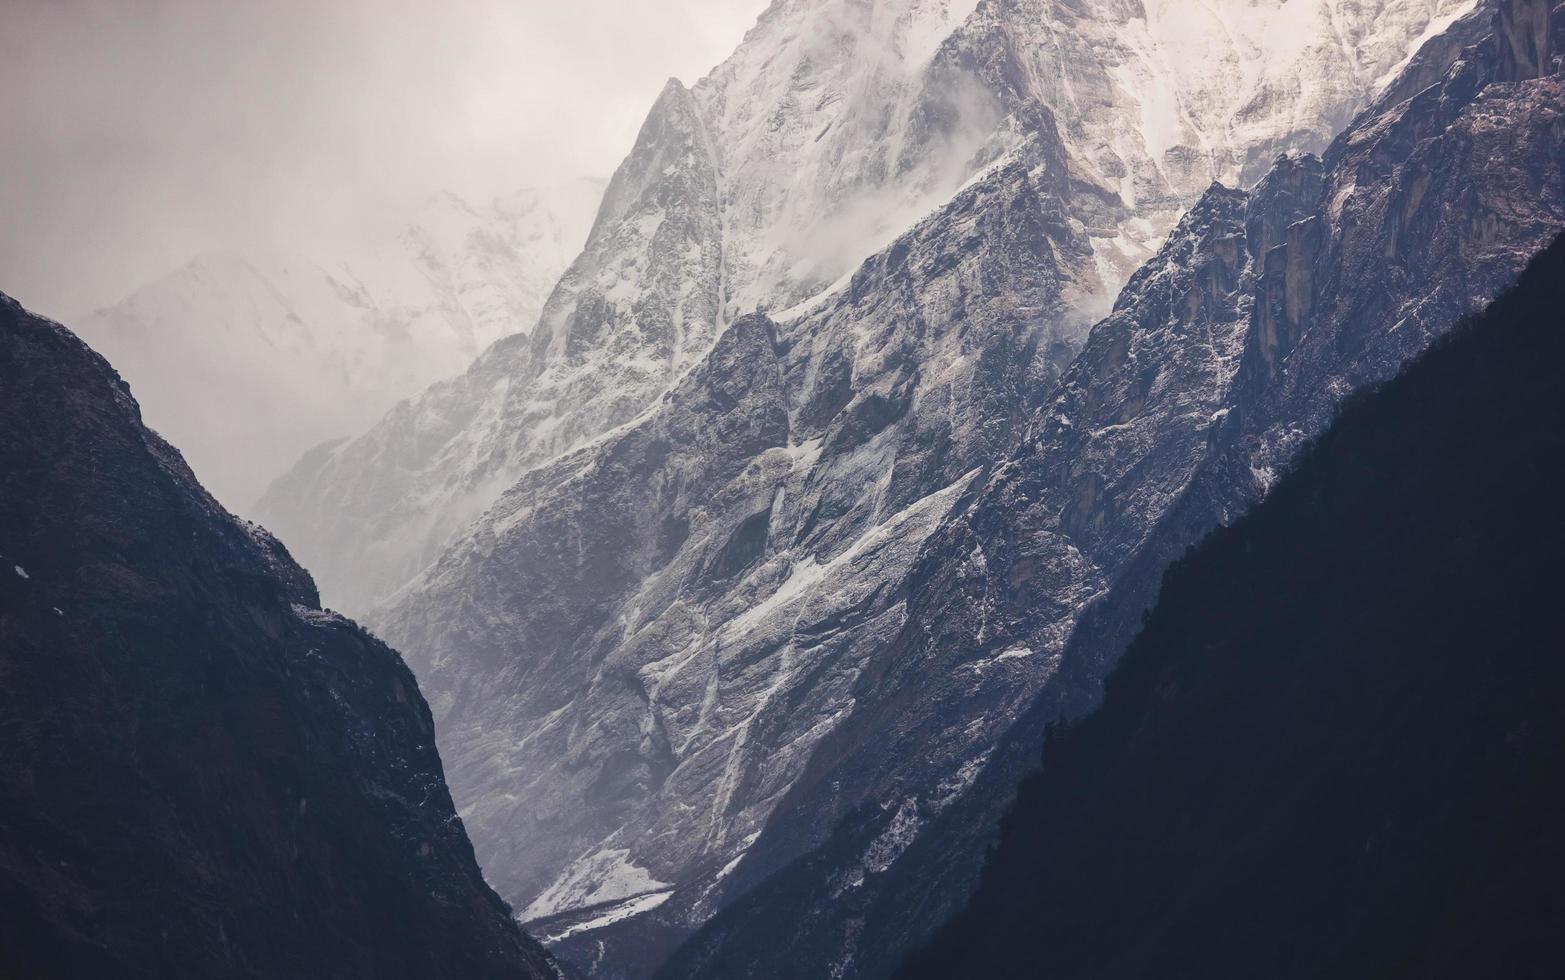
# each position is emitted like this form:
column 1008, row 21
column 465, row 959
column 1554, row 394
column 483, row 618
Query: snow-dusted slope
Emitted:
column 833, row 127
column 718, row 176
column 823, row 151
column 638, row 595
column 637, row 307
column 838, row 123
column 249, row 360
column 1158, row 98
column 1224, row 355
column 674, row 614
column 662, row 642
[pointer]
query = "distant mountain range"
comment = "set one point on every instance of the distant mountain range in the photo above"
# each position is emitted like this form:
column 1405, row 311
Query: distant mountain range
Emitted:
column 833, row 129
column 247, row 361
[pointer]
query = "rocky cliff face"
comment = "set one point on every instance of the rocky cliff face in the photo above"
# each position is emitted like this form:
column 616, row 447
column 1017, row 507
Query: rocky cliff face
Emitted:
column 633, row 311
column 831, row 131
column 248, row 361
column 1352, row 691
column 1166, row 98
column 676, row 612
column 1224, row 356
column 202, row 772
column 803, row 632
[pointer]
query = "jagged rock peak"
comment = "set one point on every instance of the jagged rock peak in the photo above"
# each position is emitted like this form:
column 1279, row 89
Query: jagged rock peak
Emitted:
column 1226, row 354
column 833, row 128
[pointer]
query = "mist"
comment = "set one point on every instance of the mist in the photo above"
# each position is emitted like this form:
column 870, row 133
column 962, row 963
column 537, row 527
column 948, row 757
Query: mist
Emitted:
column 140, row 134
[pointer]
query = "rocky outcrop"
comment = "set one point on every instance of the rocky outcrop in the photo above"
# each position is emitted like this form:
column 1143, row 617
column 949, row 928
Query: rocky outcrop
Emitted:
column 832, row 130
column 1333, row 748
column 676, row 611
column 1074, row 530
column 930, row 200
column 1145, row 388
column 634, row 310
column 202, row 772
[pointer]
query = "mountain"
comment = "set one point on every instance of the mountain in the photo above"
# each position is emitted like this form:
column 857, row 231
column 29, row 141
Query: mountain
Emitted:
column 634, row 309
column 202, row 772
column 640, row 599
column 1334, row 749
column 831, row 131
column 1223, row 356
column 283, row 352
column 722, row 634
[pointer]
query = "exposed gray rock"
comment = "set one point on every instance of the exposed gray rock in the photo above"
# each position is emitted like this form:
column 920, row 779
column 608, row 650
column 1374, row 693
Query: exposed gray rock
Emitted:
column 677, row 659
column 1223, row 357
column 638, row 307
column 674, row 613
column 831, row 131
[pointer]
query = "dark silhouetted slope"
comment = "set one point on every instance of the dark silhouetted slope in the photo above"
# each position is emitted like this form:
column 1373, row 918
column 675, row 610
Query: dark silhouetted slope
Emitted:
column 201, row 772
column 1337, row 747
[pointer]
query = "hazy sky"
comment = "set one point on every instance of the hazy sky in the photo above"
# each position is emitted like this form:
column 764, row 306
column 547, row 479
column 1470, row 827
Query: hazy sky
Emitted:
column 138, row 133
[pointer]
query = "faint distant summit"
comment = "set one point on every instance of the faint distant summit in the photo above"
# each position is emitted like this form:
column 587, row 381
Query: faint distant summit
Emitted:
column 247, row 360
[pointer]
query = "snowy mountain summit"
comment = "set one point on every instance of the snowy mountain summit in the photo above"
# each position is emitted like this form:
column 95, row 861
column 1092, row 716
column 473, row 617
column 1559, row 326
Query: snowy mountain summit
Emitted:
column 285, row 351
column 838, row 124
column 832, row 129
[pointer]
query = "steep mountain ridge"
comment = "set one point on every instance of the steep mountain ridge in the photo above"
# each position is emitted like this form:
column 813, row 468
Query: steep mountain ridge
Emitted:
column 633, row 311
column 285, row 351
column 1137, row 459
column 1268, row 790
column 833, row 128
column 662, row 623
column 742, row 667
column 202, row 772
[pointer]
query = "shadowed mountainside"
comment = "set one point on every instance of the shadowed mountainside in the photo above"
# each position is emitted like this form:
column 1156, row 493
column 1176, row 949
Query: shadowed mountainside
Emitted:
column 1336, row 747
column 202, row 773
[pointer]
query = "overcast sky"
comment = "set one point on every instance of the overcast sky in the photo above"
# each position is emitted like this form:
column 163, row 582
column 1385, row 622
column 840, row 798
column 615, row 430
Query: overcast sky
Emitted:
column 138, row 133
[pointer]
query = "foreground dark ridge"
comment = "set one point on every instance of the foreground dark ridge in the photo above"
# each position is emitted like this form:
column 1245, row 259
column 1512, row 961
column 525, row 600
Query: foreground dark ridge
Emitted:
column 1337, row 746
column 201, row 772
